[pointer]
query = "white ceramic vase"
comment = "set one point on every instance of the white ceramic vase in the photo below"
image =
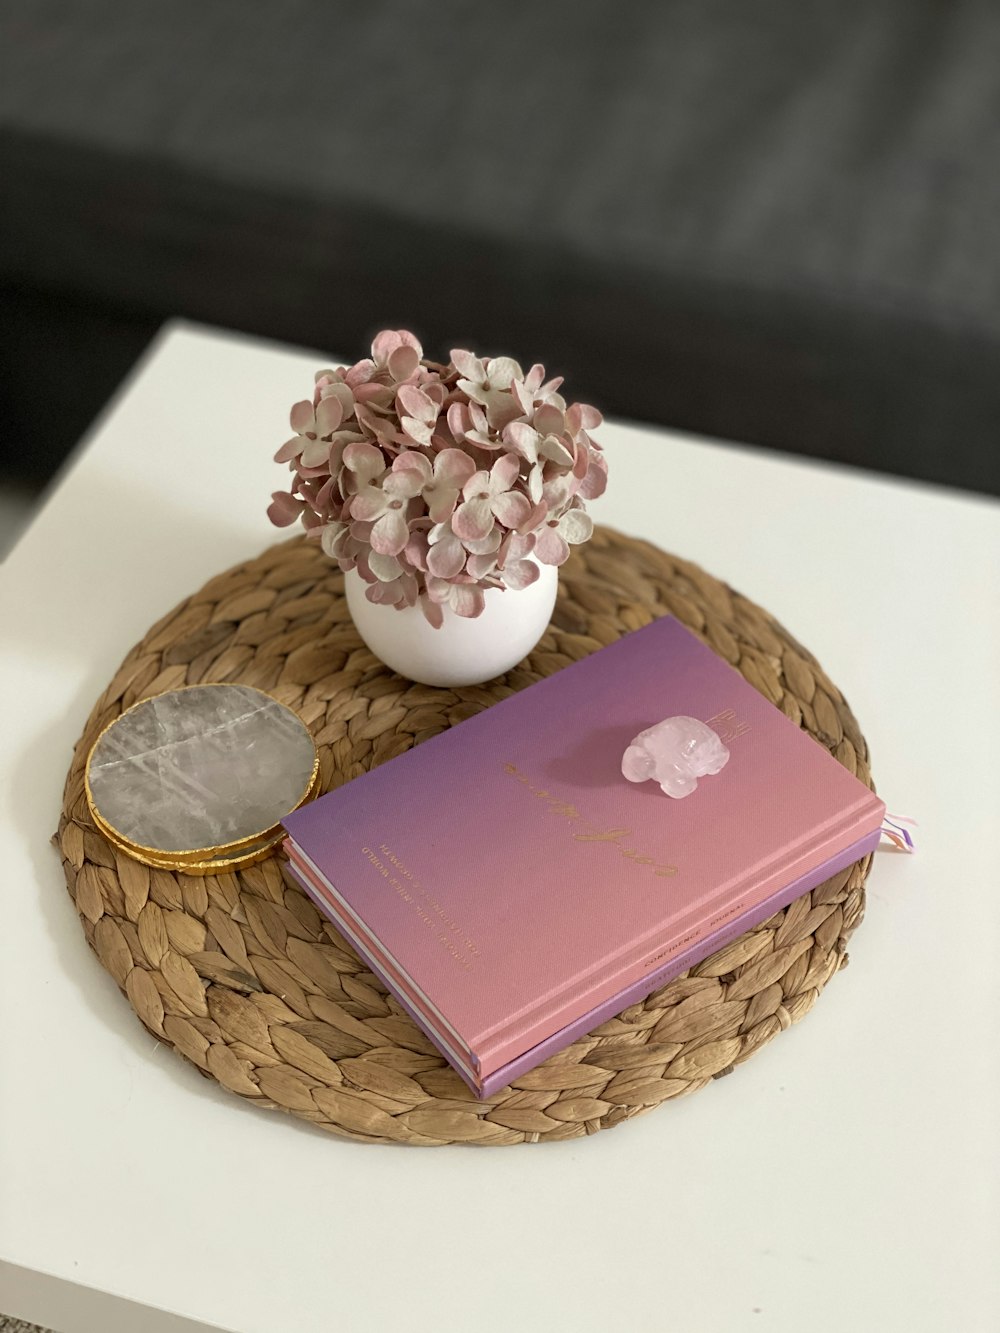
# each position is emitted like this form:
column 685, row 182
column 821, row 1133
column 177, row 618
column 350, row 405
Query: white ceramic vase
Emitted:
column 463, row 651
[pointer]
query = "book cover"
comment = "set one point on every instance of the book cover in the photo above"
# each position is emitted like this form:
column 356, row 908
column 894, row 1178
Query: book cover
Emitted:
column 508, row 883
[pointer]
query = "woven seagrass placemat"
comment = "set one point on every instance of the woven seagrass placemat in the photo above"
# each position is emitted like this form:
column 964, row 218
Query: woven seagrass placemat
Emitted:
column 241, row 975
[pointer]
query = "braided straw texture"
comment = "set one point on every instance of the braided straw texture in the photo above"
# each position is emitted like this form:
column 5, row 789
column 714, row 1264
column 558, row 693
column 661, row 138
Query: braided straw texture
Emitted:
column 241, row 975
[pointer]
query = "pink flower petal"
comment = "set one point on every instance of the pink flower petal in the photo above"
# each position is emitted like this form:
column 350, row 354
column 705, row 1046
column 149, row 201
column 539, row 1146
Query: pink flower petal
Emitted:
column 473, row 519
column 438, row 590
column 521, row 574
column 446, row 558
column 548, row 420
column 595, row 483
column 364, row 460
column 343, row 394
column 403, row 361
column 432, row 612
column 291, row 449
column 522, row 439
column 359, row 374
column 390, row 534
column 581, row 461
column 484, row 441
column 535, row 519
column 511, row 508
column 458, row 420
column 284, row 509
column 481, row 566
column 385, row 594
column 502, row 408
column 454, row 466
column 329, row 415
column 441, row 501
column 416, row 550
column 516, row 547
column 477, row 485
column 301, row 416
column 467, row 600
column 368, row 504
column 485, row 545
column 550, row 548
column 384, row 344
column 415, row 403
column 403, row 485
column 504, row 472
column 410, row 460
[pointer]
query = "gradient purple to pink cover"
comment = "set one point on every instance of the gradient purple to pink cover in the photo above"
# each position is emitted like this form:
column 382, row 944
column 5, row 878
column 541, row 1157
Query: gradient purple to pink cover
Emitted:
column 482, row 859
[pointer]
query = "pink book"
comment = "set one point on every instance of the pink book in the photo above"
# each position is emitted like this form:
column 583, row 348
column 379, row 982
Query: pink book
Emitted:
column 513, row 890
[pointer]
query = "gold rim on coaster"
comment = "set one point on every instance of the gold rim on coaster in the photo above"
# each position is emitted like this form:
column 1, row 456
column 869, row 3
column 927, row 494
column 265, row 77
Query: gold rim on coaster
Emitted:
column 223, row 857
column 244, row 978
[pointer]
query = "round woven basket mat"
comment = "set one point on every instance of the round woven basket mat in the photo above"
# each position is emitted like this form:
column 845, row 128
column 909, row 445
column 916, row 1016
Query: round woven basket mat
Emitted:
column 241, row 975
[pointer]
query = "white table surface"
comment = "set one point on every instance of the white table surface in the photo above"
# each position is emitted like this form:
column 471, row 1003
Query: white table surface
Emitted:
column 846, row 1177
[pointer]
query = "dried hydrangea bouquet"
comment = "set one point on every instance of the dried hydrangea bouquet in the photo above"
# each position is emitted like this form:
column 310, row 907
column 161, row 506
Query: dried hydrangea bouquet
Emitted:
column 449, row 495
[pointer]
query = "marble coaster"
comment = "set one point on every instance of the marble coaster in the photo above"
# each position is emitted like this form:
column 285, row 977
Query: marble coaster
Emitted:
column 200, row 778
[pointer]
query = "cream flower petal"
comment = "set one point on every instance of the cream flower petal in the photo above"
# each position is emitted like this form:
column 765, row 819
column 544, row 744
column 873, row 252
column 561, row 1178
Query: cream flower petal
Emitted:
column 315, row 453
column 390, row 534
column 441, row 501
column 332, row 537
column 417, row 430
column 404, row 484
column 386, row 568
column 576, row 526
column 468, row 364
column 501, row 370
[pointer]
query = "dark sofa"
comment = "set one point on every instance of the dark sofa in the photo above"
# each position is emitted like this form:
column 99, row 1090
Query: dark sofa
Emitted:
column 775, row 223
